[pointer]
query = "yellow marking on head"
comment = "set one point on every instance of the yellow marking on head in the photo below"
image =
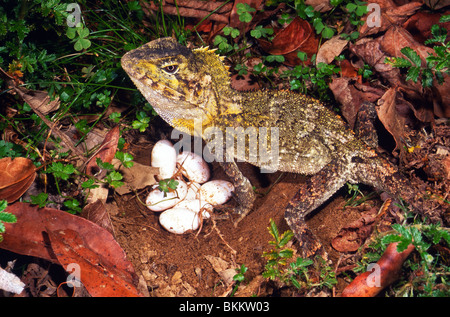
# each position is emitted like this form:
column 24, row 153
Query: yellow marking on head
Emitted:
column 154, row 72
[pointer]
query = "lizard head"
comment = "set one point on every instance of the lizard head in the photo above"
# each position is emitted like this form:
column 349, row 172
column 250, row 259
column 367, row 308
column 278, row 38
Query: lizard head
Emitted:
column 179, row 83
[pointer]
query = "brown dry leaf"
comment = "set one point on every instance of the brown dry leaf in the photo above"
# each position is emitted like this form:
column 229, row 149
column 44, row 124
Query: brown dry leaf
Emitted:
column 319, row 5
column 222, row 268
column 27, row 235
column 391, row 15
column 397, row 38
column 437, row 4
column 100, row 277
column 16, row 176
column 106, row 152
column 192, row 8
column 97, row 213
column 298, row 35
column 371, row 53
column 330, row 49
column 351, row 237
column 38, row 100
column 349, row 71
column 351, row 95
column 135, row 177
column 389, row 116
column 419, row 25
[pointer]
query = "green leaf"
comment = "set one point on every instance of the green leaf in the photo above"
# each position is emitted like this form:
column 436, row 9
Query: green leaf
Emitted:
column 427, row 78
column 273, row 230
column 73, row 206
column 71, row 33
column 398, row 62
column 318, row 25
column 90, row 183
column 327, row 32
column 125, row 158
column 413, row 74
column 444, row 19
column 412, row 55
column 351, row 7
column 286, row 253
column 3, row 205
column 7, row 217
column 285, row 238
column 361, row 10
column 40, row 199
column 302, row 55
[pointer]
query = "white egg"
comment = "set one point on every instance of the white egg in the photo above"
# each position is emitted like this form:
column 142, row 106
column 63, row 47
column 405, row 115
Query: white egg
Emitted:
column 196, row 205
column 164, row 156
column 216, row 192
column 194, row 167
column 179, row 220
column 192, row 192
column 158, row 200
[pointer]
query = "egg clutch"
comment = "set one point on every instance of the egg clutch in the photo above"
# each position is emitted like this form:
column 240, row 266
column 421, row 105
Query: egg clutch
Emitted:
column 193, row 199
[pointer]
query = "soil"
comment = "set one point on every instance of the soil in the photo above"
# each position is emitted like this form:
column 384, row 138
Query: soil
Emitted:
column 182, row 265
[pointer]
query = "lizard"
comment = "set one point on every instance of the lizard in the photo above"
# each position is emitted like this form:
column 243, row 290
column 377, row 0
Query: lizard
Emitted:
column 187, row 85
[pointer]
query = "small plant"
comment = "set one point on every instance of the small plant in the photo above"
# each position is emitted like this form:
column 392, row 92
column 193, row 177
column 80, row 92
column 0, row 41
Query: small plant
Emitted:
column 167, row 185
column 435, row 65
column 239, row 278
column 244, row 12
column 79, row 35
column 40, row 199
column 113, row 178
column 5, row 217
column 297, row 273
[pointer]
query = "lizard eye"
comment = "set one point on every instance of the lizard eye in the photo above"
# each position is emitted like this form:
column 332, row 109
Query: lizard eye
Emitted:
column 170, row 69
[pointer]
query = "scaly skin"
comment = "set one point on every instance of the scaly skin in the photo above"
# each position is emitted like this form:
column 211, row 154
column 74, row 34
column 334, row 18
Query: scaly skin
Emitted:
column 187, row 86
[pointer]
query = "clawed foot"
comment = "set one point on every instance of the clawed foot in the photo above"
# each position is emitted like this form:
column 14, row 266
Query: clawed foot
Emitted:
column 239, row 211
column 309, row 244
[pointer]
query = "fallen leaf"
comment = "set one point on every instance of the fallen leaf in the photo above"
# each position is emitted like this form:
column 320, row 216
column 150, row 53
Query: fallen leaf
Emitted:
column 135, row 177
column 28, row 235
column 430, row 102
column 99, row 276
column 222, row 268
column 386, row 271
column 106, row 151
column 97, row 213
column 397, row 38
column 212, row 10
column 298, row 35
column 16, row 176
column 371, row 53
column 351, row 95
column 351, row 237
column 389, row 116
column 419, row 25
column 437, row 4
column 319, row 5
column 390, row 16
column 38, row 100
column 330, row 49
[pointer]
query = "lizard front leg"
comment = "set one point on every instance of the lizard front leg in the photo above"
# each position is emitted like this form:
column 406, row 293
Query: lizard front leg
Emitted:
column 315, row 191
column 243, row 189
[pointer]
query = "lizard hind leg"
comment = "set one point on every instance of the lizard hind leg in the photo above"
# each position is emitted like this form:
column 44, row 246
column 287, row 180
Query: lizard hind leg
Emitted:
column 311, row 195
column 243, row 192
